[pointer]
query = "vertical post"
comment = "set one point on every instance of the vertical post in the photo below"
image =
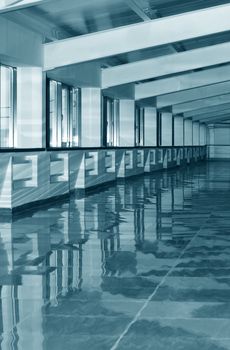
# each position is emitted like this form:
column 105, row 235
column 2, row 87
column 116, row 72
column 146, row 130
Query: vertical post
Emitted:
column 166, row 128
column 127, row 119
column 188, row 132
column 196, row 133
column 150, row 126
column 178, row 130
column 91, row 123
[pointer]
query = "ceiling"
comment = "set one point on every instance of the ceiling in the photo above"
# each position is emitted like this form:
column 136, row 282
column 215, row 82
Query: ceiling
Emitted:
column 62, row 19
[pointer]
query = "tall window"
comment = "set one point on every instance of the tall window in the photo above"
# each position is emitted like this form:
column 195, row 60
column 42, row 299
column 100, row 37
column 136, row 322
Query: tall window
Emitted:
column 64, row 115
column 7, row 105
column 111, row 117
column 139, row 126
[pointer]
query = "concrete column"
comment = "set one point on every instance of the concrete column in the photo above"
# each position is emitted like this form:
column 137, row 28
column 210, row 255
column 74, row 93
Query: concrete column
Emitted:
column 211, row 135
column 196, row 133
column 127, row 118
column 203, row 134
column 188, row 130
column 166, row 128
column 178, row 131
column 150, row 126
column 91, row 121
column 29, row 121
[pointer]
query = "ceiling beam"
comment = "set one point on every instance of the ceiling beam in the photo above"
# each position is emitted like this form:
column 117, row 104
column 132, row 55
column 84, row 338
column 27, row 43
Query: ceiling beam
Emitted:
column 207, row 102
column 138, row 36
column 142, row 10
column 193, row 94
column 165, row 65
column 182, row 82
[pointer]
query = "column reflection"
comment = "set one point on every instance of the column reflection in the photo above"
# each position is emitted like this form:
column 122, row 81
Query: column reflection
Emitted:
column 89, row 247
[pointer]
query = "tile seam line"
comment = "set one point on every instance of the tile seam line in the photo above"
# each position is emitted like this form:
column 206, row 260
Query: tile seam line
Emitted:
column 138, row 314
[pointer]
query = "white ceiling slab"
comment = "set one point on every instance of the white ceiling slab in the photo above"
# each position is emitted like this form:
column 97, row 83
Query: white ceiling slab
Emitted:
column 136, row 37
column 212, row 115
column 165, row 65
column 207, row 102
column 193, row 94
column 217, row 119
column 210, row 109
column 182, row 82
column 11, row 5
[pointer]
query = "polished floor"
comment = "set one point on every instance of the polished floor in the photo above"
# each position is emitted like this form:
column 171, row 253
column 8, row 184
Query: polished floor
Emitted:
column 143, row 264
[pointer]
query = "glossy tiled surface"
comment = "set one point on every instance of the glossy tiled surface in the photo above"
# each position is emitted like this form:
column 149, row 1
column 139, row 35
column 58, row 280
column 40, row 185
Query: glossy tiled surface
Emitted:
column 143, row 264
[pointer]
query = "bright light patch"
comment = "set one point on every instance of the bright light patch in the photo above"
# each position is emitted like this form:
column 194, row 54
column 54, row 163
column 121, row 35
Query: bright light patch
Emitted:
column 4, row 4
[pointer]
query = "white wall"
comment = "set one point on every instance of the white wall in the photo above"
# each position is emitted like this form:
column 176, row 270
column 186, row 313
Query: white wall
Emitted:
column 219, row 141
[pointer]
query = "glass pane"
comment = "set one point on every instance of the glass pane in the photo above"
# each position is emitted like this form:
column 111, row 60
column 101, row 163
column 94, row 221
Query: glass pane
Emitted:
column 76, row 111
column 53, row 114
column 141, row 133
column 65, row 116
column 112, row 121
column 6, row 104
column 109, row 108
column 116, row 122
column 137, row 126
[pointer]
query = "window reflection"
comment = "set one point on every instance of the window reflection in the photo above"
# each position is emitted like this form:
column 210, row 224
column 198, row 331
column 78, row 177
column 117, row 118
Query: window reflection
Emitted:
column 64, row 115
column 79, row 249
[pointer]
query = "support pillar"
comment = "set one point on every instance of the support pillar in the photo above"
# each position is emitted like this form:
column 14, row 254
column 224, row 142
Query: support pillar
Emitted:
column 127, row 119
column 196, row 133
column 150, row 126
column 178, row 131
column 91, row 121
column 188, row 131
column 166, row 128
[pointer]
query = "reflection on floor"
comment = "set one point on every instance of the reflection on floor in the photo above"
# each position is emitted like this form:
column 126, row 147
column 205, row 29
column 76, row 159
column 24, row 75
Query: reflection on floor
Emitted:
column 144, row 264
